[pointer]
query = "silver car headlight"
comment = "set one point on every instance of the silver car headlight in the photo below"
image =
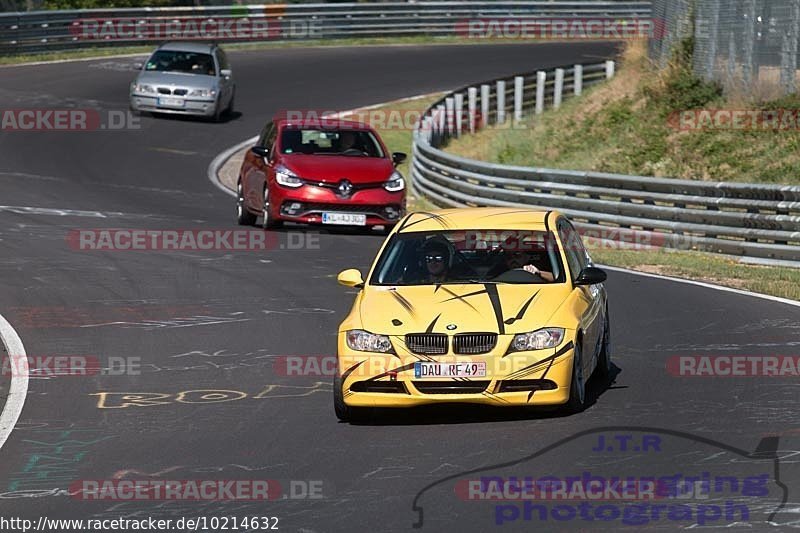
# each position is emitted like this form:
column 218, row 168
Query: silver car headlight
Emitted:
column 143, row 88
column 364, row 341
column 203, row 93
column 287, row 178
column 395, row 183
column 537, row 340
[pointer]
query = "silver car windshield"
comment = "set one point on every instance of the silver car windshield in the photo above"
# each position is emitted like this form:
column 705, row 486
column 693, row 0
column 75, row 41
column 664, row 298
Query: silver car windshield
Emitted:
column 185, row 62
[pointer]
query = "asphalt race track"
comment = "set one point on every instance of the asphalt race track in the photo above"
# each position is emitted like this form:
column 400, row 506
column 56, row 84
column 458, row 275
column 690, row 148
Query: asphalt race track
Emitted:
column 217, row 321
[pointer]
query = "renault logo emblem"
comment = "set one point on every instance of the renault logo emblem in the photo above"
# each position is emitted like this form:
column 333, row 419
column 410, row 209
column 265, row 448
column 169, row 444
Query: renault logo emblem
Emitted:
column 451, row 327
column 345, row 188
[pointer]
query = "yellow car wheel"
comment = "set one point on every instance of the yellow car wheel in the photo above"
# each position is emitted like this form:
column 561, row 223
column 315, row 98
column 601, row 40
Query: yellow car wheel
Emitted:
column 577, row 387
column 604, row 359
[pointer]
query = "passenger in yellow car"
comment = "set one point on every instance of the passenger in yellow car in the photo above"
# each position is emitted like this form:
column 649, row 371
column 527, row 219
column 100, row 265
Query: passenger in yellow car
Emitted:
column 521, row 259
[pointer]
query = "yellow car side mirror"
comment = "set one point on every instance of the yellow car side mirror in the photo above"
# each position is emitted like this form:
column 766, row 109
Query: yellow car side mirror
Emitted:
column 350, row 278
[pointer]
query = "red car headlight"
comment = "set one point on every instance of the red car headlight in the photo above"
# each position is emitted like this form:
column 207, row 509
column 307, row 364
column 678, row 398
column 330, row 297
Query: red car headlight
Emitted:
column 395, row 183
column 286, row 177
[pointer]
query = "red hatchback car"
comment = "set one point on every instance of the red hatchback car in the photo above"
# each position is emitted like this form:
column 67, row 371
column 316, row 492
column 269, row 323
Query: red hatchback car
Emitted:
column 320, row 173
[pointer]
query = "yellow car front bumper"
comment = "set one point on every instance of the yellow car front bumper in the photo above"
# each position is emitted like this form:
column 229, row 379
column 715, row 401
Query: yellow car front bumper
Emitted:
column 541, row 377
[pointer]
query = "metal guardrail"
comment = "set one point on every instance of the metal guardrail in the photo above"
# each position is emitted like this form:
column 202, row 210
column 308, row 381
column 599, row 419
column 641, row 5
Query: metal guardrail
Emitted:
column 44, row 31
column 753, row 220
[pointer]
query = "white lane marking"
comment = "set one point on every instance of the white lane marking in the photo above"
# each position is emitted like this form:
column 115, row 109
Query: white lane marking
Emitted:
column 221, row 159
column 171, row 150
column 27, row 210
column 24, row 210
column 18, row 389
column 707, row 286
column 143, row 55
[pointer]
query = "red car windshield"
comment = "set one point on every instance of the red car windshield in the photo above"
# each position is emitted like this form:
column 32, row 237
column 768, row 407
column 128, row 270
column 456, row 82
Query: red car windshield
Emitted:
column 355, row 143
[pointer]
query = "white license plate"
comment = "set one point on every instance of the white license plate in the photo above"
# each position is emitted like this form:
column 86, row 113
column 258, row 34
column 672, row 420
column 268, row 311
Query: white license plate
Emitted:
column 424, row 370
column 345, row 219
column 170, row 102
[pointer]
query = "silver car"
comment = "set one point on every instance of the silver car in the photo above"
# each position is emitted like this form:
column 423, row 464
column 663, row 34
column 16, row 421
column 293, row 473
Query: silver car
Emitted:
column 186, row 79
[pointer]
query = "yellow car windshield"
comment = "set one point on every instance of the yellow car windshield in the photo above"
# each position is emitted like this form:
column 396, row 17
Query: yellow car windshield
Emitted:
column 471, row 256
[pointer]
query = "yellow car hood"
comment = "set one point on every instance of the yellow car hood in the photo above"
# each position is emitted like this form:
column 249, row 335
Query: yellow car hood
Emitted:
column 489, row 308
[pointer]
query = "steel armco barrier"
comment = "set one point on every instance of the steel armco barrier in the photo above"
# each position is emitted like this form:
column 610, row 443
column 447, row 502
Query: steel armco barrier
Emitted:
column 757, row 221
column 44, row 31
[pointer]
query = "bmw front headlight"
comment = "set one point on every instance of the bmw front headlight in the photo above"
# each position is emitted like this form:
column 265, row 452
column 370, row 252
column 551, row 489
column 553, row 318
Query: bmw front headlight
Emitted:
column 143, row 88
column 537, row 340
column 395, row 183
column 364, row 341
column 287, row 178
column 203, row 93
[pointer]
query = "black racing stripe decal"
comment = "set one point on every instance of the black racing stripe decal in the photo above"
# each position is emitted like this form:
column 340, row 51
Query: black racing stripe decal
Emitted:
column 521, row 312
column 494, row 297
column 461, row 297
column 430, row 327
column 510, row 212
column 565, row 349
column 530, row 369
column 405, row 303
column 494, row 397
column 409, row 353
column 544, row 374
column 399, row 369
column 351, row 369
column 428, row 216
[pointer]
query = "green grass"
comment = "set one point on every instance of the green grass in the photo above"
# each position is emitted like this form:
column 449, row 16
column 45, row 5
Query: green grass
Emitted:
column 625, row 127
column 712, row 268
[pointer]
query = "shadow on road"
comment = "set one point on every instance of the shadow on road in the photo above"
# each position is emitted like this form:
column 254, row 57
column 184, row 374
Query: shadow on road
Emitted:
column 469, row 413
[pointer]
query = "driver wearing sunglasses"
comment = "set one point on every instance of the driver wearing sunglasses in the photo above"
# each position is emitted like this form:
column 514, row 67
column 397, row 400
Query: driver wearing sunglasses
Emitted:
column 436, row 256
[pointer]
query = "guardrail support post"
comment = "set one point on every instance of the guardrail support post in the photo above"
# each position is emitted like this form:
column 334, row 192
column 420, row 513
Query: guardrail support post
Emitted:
column 578, row 80
column 459, row 113
column 541, row 82
column 441, row 118
column 472, row 107
column 610, row 69
column 559, row 90
column 485, row 96
column 518, row 87
column 449, row 104
column 501, row 102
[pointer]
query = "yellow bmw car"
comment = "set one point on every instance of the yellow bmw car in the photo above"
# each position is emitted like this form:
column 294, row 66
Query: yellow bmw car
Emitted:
column 493, row 306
